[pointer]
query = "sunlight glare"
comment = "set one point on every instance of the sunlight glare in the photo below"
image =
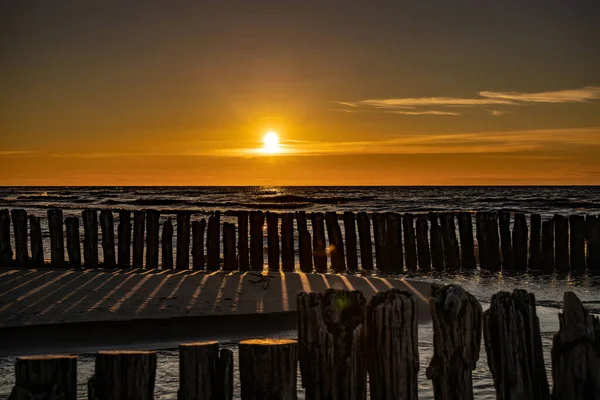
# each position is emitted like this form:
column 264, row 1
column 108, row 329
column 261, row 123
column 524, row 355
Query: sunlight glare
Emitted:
column 271, row 143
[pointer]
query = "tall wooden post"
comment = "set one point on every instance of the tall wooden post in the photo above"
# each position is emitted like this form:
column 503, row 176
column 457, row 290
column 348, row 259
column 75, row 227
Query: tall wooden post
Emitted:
column 592, row 235
column 73, row 246
column 124, row 239
column 506, row 241
column 201, row 373
column 243, row 250
column 350, row 236
column 139, row 223
column 287, row 242
column 320, row 255
column 183, row 240
column 257, row 254
column 364, row 236
column 395, row 251
column 272, row 240
column 410, row 244
column 19, row 221
column 336, row 243
column 493, row 241
column 107, row 225
column 381, row 247
column 481, row 239
column 198, row 228
column 167, row 244
column 548, row 246
column 229, row 259
column 437, row 247
column 45, row 377
column 57, row 239
column 561, row 243
column 519, row 244
column 152, row 238
column 535, row 242
column 304, row 244
column 37, row 245
column 90, row 238
column 213, row 247
column 6, row 252
column 577, row 242
column 450, row 242
column 467, row 243
column 422, row 230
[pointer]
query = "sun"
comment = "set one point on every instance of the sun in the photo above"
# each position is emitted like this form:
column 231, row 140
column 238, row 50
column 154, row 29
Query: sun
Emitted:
column 271, row 143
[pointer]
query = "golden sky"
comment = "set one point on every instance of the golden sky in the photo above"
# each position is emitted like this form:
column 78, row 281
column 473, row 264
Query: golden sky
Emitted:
column 360, row 93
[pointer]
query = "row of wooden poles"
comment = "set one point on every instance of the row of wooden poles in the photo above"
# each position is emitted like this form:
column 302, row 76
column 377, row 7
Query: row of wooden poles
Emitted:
column 342, row 339
column 406, row 241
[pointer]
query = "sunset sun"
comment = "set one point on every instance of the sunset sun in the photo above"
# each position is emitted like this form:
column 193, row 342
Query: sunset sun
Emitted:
column 271, row 143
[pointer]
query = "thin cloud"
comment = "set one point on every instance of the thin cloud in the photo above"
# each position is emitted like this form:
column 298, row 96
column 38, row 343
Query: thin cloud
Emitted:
column 497, row 113
column 15, row 152
column 429, row 112
column 581, row 95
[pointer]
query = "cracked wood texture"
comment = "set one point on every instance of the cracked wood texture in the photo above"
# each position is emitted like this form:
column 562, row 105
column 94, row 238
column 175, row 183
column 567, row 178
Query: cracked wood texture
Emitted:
column 204, row 373
column 51, row 377
column 123, row 375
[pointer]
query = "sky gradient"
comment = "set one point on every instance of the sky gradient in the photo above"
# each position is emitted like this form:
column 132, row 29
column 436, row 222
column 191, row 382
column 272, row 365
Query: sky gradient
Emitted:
column 361, row 93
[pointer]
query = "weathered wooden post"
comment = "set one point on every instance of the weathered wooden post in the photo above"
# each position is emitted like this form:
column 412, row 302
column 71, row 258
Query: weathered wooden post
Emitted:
column 467, row 243
column 45, row 377
column 577, row 242
column 392, row 345
column 304, row 244
column 336, row 242
column 139, row 222
column 393, row 222
column 19, row 221
column 513, row 344
column 90, row 238
column 561, row 243
column 380, row 237
column 287, row 242
column 272, row 240
column 481, row 238
column 364, row 236
column 456, row 317
column 37, row 245
column 548, row 246
column 124, row 239
column 576, row 353
column 535, row 241
column 268, row 369
column 200, row 372
column 73, row 246
column 320, row 254
column 450, row 242
column 243, row 250
column 198, row 228
column 152, row 238
column 331, row 340
column 488, row 240
column 183, row 240
column 229, row 259
column 6, row 252
column 422, row 230
column 519, row 242
column 107, row 225
column 592, row 235
column 410, row 245
column 167, row 244
column 123, row 375
column 257, row 254
column 213, row 246
column 57, row 239
column 506, row 241
column 437, row 247
column 351, row 242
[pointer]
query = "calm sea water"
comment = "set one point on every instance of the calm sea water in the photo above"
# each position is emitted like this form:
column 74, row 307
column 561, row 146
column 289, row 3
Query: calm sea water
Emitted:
column 203, row 200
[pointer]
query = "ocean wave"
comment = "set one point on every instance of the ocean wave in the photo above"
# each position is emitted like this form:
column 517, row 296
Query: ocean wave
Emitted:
column 290, row 198
column 46, row 197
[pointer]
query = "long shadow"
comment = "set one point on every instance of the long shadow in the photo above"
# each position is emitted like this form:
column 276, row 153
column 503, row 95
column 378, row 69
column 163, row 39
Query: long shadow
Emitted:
column 163, row 278
column 205, row 298
column 33, row 291
column 9, row 277
column 293, row 284
column 17, row 290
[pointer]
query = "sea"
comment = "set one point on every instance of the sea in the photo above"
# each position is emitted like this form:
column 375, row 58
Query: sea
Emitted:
column 202, row 201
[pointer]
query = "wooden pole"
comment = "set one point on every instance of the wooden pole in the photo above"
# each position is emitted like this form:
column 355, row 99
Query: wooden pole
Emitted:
column 167, row 244
column 45, row 377
column 19, row 221
column 576, row 353
column 593, row 242
column 393, row 222
column 198, row 228
column 37, row 245
column 213, row 247
column 123, row 375
column 204, row 374
column 380, row 236
column 331, row 340
column 336, row 243
column 319, row 253
column 124, row 239
column 535, row 241
column 561, row 243
column 229, row 259
column 272, row 240
column 6, row 252
column 366, row 246
column 519, row 243
column 304, row 244
column 422, row 231
column 456, row 317
column 450, row 242
column 493, row 241
column 467, row 243
column 139, row 223
column 351, row 242
column 268, row 369
column 243, row 250
column 481, row 239
column 548, row 246
column 57, row 239
column 183, row 240
column 90, row 238
column 392, row 345
column 506, row 241
column 107, row 225
column 577, row 242
column 257, row 254
column 437, row 247
column 513, row 344
column 224, row 367
column 152, row 239
column 410, row 248
column 73, row 246
column 287, row 242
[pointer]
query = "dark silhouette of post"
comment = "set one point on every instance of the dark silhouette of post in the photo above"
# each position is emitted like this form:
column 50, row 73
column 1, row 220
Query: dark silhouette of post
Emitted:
column 37, row 246
column 395, row 251
column 167, row 244
column 319, row 253
column 139, row 224
column 548, row 246
column 198, row 228
column 561, row 243
column 366, row 245
column 506, row 241
column 107, row 225
column 90, row 238
column 229, row 259
column 467, row 243
column 152, row 238
column 243, row 250
column 519, row 244
column 422, row 231
column 272, row 240
column 336, row 242
column 213, row 247
column 257, row 254
column 183, row 240
column 73, row 247
column 57, row 240
column 124, row 239
column 287, row 242
column 19, row 221
column 437, row 247
column 351, row 242
column 6, row 252
column 304, row 243
column 577, row 242
column 535, row 242
column 450, row 242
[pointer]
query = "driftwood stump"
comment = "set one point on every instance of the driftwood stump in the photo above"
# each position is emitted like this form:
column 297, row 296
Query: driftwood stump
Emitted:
column 268, row 369
column 124, row 239
column 242, row 246
column 513, row 344
column 51, row 377
column 167, row 244
column 183, row 240
column 90, row 238
column 392, row 345
column 467, row 242
column 364, row 236
column 139, row 223
column 37, row 245
column 304, row 243
column 6, row 252
column 57, row 239
column 257, row 253
column 19, row 221
column 73, row 246
column 576, row 353
column 331, row 338
column 422, row 232
column 198, row 228
column 456, row 317
column 152, row 238
column 319, row 253
column 107, row 225
column 204, row 374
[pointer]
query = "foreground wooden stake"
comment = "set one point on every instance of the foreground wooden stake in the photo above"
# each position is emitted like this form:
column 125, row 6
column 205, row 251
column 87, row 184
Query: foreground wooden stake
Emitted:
column 90, row 238
column 6, row 252
column 513, row 344
column 268, row 369
column 124, row 239
column 73, row 246
column 57, row 240
column 139, row 223
column 576, row 353
column 37, row 245
column 366, row 246
column 183, row 240
column 331, row 337
column 45, row 377
column 392, row 343
column 456, row 317
column 123, row 375
column 203, row 373
column 198, row 228
column 19, row 220
column 107, row 225
column 304, row 244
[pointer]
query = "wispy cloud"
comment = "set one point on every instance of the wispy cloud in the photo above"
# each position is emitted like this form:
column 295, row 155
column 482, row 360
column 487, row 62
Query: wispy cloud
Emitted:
column 497, row 113
column 15, row 152
column 428, row 112
column 580, row 95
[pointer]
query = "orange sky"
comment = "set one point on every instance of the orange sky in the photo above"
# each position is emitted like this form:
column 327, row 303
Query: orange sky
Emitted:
column 181, row 93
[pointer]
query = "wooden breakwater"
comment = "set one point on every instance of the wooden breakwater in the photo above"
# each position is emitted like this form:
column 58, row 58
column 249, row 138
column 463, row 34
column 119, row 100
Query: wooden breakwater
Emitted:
column 388, row 242
column 343, row 340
